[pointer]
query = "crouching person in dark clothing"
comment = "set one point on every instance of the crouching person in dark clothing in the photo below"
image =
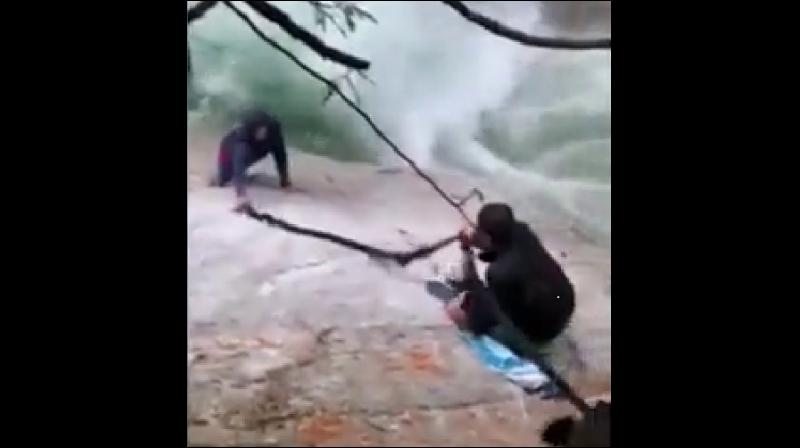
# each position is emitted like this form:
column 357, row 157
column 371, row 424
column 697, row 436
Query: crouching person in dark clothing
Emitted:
column 255, row 138
column 527, row 299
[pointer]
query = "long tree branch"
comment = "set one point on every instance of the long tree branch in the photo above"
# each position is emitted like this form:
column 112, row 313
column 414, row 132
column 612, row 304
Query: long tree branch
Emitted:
column 400, row 257
column 499, row 29
column 283, row 20
column 352, row 105
column 197, row 11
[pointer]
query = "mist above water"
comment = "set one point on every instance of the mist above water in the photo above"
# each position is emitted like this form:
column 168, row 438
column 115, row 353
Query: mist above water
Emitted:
column 450, row 94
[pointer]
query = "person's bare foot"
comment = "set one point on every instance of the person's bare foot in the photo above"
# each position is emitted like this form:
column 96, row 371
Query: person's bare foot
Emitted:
column 455, row 312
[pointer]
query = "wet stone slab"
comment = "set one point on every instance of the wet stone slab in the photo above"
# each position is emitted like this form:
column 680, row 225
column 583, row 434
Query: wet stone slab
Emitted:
column 298, row 342
column 509, row 423
column 395, row 369
column 385, row 383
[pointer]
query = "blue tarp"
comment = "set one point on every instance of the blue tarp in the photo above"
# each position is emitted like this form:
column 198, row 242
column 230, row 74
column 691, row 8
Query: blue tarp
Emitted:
column 498, row 358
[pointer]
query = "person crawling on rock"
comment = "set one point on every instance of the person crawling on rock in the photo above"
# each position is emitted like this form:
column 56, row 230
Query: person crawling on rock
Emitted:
column 527, row 299
column 258, row 135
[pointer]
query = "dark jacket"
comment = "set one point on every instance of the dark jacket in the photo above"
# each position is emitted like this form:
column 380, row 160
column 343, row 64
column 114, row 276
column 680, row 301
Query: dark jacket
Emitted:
column 239, row 149
column 530, row 286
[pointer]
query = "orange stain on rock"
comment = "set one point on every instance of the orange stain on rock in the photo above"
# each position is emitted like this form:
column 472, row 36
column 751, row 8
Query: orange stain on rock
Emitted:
column 418, row 360
column 421, row 360
column 319, row 429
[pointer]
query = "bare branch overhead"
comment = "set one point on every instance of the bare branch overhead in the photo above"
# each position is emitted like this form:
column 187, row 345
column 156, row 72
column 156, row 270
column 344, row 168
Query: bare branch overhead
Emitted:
column 197, row 11
column 280, row 18
column 352, row 105
column 499, row 29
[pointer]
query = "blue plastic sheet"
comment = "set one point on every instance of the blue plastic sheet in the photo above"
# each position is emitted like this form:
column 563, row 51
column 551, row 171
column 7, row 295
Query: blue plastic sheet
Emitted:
column 498, row 358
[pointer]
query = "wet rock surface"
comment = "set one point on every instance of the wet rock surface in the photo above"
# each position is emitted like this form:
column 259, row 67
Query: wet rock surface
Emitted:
column 298, row 342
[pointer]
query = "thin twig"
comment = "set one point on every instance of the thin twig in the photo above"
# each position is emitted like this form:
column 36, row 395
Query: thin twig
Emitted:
column 351, row 8
column 499, row 29
column 321, row 10
column 352, row 87
column 365, row 77
column 337, row 80
column 353, row 106
column 475, row 192
column 313, row 42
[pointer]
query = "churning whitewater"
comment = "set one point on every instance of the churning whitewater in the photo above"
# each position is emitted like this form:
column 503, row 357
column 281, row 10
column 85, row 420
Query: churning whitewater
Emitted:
column 536, row 122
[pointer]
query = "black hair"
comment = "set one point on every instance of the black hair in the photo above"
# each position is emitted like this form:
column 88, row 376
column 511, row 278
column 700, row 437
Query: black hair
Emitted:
column 497, row 220
column 254, row 119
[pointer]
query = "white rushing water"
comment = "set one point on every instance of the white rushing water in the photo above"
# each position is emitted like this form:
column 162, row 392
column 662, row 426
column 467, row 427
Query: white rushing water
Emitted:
column 452, row 95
